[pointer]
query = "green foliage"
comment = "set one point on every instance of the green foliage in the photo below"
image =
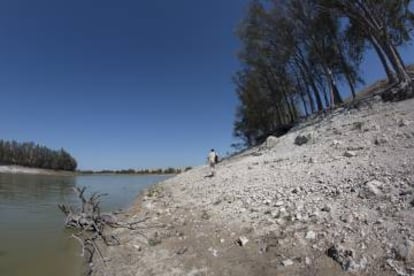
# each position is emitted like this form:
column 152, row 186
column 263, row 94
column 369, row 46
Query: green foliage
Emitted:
column 294, row 53
column 29, row 154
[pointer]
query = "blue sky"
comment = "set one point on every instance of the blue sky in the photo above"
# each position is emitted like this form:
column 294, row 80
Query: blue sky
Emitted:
column 123, row 84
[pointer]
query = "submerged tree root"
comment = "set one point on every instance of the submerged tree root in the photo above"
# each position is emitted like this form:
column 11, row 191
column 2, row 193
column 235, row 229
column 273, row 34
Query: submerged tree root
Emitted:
column 89, row 224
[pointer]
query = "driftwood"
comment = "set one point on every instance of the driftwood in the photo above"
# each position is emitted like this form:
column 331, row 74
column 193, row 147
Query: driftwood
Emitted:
column 89, row 224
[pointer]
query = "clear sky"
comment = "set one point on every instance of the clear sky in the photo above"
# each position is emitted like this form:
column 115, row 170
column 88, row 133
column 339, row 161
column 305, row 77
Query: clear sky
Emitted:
column 123, row 84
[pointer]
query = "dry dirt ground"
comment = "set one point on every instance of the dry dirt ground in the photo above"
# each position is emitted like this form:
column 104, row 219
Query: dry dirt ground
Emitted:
column 334, row 196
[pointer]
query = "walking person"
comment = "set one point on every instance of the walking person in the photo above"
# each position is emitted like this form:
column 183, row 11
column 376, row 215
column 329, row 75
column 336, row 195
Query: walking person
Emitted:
column 212, row 160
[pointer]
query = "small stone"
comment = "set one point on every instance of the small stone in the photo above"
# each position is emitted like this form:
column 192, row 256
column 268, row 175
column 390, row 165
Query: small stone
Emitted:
column 275, row 214
column 357, row 125
column 335, row 142
column 137, row 247
column 295, row 191
column 350, row 153
column 287, row 262
column 213, row 251
column 242, row 240
column 301, row 139
column 310, row 235
column 182, row 250
column 380, row 140
column 403, row 123
column 279, row 203
column 308, row 261
column 347, row 218
column 340, row 255
column 205, row 215
column 405, row 250
column 271, row 142
column 372, row 187
column 283, row 212
column 379, row 221
column 326, row 208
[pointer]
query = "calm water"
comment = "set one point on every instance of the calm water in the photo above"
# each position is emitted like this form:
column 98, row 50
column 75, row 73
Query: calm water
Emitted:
column 32, row 238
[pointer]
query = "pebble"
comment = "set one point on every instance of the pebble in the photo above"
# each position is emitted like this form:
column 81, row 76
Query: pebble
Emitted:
column 350, row 153
column 287, row 262
column 242, row 240
column 308, row 261
column 326, row 208
column 310, row 235
column 279, row 203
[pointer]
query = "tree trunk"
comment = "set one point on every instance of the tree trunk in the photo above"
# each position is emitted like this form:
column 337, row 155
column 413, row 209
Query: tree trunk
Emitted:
column 335, row 96
column 305, row 107
column 305, row 88
column 326, row 98
column 381, row 55
column 395, row 59
column 379, row 34
column 310, row 80
column 348, row 78
column 289, row 107
column 294, row 109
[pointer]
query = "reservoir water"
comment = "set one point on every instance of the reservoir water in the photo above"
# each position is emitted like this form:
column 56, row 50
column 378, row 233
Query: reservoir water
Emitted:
column 33, row 240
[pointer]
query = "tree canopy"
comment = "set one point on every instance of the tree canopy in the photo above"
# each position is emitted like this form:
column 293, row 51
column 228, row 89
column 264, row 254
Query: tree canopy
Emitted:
column 29, row 154
column 295, row 53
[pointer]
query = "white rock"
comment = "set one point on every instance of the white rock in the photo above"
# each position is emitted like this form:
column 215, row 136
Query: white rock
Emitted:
column 213, row 251
column 279, row 203
column 271, row 141
column 310, row 235
column 287, row 262
column 335, row 142
column 308, row 261
column 350, row 153
column 242, row 240
column 372, row 187
column 275, row 214
column 283, row 213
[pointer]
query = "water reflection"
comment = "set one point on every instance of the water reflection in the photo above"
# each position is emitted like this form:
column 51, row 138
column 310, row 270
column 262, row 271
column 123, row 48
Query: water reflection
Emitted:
column 32, row 238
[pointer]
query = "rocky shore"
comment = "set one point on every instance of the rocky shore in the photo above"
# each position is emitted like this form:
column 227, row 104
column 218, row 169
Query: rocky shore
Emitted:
column 334, row 196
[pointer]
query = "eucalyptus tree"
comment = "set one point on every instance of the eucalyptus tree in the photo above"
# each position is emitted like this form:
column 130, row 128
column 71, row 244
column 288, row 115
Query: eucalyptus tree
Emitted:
column 255, row 115
column 316, row 31
column 384, row 24
column 266, row 96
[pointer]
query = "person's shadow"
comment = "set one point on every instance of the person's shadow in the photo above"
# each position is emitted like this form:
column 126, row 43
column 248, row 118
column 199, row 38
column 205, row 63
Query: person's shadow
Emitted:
column 209, row 176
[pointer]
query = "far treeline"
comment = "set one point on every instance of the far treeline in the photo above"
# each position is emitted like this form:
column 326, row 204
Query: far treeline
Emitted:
column 142, row 171
column 295, row 53
column 29, row 154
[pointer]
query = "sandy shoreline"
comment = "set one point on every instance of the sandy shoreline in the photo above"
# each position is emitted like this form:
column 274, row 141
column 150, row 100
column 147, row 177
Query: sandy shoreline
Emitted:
column 340, row 203
column 13, row 169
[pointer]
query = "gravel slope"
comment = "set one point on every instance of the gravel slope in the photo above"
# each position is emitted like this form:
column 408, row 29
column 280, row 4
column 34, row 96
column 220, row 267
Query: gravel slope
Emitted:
column 340, row 203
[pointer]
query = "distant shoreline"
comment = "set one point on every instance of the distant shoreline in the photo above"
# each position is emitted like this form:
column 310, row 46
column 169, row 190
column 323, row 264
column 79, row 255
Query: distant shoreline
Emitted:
column 14, row 169
column 115, row 173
